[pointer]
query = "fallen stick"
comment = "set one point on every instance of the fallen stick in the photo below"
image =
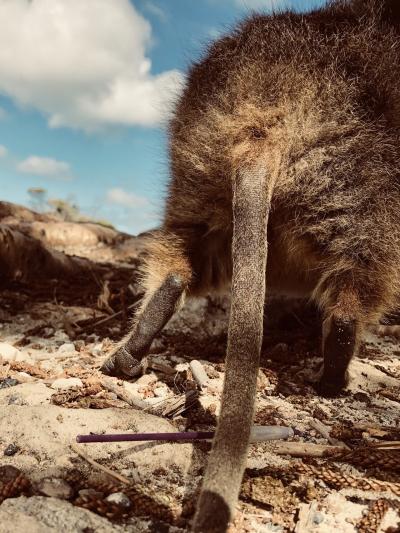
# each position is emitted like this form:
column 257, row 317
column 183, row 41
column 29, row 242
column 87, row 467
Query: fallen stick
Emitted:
column 123, row 394
column 325, row 432
column 306, row 512
column 97, row 465
column 199, row 373
column 102, row 321
column 258, row 434
column 389, row 444
column 304, row 449
column 177, row 406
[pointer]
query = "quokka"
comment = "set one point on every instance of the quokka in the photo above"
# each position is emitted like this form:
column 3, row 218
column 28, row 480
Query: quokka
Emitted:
column 286, row 137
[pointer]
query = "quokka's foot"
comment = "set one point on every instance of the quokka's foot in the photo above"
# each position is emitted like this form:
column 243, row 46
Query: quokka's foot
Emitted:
column 122, row 363
column 330, row 388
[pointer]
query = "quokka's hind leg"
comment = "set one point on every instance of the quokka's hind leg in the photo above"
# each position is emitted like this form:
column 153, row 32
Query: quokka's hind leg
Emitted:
column 166, row 275
column 340, row 334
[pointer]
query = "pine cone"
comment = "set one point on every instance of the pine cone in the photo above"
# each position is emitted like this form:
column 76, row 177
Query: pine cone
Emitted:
column 371, row 457
column 372, row 520
column 158, row 505
column 340, row 480
column 15, row 487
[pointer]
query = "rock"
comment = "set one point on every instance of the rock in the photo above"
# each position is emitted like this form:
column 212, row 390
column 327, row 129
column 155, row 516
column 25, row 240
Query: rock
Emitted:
column 66, row 383
column 318, row 518
column 362, row 397
column 55, row 488
column 8, row 352
column 67, row 347
column 97, row 349
column 48, row 332
column 146, row 380
column 8, row 382
column 120, row 499
column 39, row 514
column 60, row 337
column 161, row 391
column 22, row 357
column 25, row 376
column 11, row 449
column 182, row 367
column 79, row 345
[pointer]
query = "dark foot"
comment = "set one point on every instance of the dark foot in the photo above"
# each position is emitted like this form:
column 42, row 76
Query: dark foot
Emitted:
column 121, row 364
column 330, row 388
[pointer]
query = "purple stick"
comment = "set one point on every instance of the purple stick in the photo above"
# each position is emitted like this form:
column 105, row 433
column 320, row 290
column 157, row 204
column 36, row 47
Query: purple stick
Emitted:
column 190, row 435
column 258, row 434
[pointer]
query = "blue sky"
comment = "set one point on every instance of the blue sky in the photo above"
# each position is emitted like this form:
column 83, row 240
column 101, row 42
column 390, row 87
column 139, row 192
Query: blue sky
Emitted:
column 84, row 85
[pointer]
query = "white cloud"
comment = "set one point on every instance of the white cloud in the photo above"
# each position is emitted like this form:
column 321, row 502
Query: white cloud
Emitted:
column 3, row 151
column 127, row 199
column 82, row 63
column 44, row 166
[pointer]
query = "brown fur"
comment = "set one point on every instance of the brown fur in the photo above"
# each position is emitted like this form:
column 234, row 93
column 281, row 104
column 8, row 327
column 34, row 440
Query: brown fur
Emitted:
column 307, row 109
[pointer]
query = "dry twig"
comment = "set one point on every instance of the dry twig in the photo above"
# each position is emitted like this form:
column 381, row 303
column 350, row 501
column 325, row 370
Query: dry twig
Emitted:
column 94, row 463
column 123, row 394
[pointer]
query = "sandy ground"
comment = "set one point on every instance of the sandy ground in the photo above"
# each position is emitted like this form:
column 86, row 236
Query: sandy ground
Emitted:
column 51, row 391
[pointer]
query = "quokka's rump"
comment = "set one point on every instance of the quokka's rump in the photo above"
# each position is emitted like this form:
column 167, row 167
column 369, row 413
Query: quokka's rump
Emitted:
column 287, row 133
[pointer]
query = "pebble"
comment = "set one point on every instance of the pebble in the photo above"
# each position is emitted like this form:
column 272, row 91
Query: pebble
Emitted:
column 55, row 488
column 22, row 357
column 24, row 377
column 318, row 518
column 182, row 367
column 120, row 499
column 361, row 396
column 145, row 380
column 66, row 348
column 11, row 449
column 161, row 392
column 66, row 383
column 60, row 336
column 97, row 349
column 8, row 382
column 8, row 352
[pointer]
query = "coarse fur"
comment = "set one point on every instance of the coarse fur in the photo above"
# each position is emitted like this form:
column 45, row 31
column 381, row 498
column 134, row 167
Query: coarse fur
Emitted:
column 287, row 132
